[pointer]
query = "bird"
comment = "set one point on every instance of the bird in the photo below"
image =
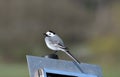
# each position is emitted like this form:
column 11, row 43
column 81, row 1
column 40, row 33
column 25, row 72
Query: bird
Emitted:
column 55, row 43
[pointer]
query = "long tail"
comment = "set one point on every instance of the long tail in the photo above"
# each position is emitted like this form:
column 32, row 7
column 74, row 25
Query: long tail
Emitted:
column 76, row 62
column 70, row 55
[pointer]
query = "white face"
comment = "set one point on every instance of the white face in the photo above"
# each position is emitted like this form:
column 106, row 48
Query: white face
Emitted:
column 50, row 34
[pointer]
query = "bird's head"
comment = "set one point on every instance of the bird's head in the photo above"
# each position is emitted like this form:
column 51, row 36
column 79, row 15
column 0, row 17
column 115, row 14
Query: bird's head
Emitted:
column 49, row 33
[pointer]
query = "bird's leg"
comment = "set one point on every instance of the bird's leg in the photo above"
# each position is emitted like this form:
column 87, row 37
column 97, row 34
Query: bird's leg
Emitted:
column 55, row 52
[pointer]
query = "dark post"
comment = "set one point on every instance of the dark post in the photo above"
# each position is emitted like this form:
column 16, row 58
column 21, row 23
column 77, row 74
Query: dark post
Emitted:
column 52, row 56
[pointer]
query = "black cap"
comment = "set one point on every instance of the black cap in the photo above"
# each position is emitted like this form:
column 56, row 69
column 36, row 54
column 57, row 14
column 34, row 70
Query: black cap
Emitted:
column 52, row 32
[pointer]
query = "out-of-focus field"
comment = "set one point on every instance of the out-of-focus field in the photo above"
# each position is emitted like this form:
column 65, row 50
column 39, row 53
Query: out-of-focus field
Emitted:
column 89, row 28
column 13, row 70
column 110, row 70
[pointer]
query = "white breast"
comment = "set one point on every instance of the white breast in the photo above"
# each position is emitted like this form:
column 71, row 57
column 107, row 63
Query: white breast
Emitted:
column 50, row 45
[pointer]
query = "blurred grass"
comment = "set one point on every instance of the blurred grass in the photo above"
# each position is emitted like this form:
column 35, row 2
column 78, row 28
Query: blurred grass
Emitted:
column 13, row 70
column 108, row 69
column 108, row 43
column 111, row 71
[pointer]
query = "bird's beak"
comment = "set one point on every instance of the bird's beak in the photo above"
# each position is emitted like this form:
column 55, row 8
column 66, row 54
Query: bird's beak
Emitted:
column 44, row 34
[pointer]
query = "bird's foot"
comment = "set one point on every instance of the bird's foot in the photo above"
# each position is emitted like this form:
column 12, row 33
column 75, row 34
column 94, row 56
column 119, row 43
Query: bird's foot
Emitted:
column 55, row 52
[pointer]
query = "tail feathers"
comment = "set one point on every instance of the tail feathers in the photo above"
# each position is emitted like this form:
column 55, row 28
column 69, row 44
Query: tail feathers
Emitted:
column 70, row 55
column 76, row 62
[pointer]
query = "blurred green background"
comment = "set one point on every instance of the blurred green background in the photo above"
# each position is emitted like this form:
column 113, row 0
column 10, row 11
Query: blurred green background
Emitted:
column 90, row 28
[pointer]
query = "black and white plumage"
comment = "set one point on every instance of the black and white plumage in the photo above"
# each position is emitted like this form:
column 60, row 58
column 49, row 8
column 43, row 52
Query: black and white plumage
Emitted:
column 54, row 42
